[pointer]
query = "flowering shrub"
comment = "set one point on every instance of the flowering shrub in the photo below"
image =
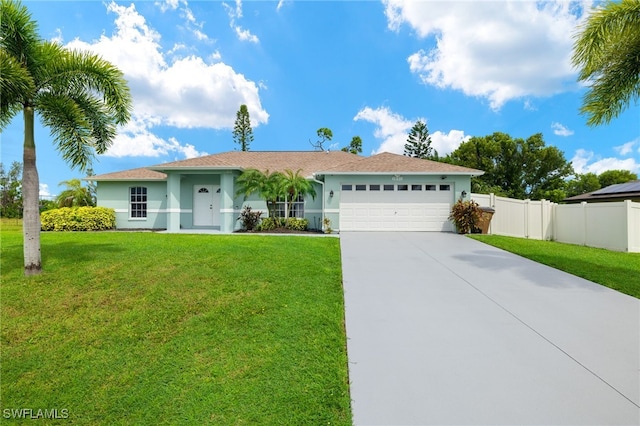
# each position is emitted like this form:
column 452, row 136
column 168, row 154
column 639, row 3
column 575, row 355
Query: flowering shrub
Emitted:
column 466, row 215
column 78, row 219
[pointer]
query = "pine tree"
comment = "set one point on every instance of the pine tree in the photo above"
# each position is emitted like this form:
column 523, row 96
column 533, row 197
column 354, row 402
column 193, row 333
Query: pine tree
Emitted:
column 242, row 132
column 419, row 142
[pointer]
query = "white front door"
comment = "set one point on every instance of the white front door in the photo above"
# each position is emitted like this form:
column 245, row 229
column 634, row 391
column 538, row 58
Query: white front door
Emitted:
column 206, row 205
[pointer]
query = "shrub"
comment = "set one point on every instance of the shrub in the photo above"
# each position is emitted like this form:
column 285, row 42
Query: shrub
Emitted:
column 270, row 223
column 297, row 224
column 78, row 219
column 249, row 218
column 466, row 215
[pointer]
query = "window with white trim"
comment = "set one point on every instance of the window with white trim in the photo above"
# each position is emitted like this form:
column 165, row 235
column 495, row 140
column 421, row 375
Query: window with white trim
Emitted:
column 137, row 202
column 296, row 208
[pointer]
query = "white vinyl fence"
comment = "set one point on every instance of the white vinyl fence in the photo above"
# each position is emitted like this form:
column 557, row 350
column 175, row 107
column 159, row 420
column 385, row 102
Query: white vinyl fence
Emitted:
column 614, row 226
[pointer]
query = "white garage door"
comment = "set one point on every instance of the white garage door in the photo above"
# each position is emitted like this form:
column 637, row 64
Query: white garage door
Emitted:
column 396, row 207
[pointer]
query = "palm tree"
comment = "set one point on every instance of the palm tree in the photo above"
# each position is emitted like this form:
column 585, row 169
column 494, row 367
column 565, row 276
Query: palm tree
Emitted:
column 267, row 185
column 74, row 195
column 293, row 185
column 78, row 95
column 607, row 53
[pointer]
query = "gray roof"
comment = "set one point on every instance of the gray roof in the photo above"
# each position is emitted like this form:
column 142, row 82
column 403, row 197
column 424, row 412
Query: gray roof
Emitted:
column 617, row 192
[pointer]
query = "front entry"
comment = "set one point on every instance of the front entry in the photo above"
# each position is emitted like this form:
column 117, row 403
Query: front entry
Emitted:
column 206, row 205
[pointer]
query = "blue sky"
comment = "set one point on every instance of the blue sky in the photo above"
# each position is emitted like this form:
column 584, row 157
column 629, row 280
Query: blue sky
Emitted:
column 361, row 68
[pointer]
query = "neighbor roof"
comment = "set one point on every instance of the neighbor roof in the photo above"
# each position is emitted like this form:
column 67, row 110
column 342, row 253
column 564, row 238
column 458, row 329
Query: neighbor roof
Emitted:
column 309, row 163
column 387, row 162
column 620, row 191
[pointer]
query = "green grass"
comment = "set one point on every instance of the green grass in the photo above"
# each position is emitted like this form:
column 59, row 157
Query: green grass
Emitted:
column 616, row 270
column 144, row 328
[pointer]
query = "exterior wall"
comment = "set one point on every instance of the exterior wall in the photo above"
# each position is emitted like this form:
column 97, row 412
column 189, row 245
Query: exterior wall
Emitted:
column 613, row 226
column 334, row 183
column 115, row 195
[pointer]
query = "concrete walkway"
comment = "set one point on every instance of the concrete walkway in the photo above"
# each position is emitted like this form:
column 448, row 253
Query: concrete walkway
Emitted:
column 443, row 329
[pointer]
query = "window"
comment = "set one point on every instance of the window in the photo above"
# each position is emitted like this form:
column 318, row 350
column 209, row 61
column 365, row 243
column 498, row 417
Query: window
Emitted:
column 429, row 187
column 347, row 187
column 445, row 187
column 296, row 208
column 138, row 202
column 361, row 187
column 389, row 187
column 403, row 187
column 374, row 187
column 416, row 187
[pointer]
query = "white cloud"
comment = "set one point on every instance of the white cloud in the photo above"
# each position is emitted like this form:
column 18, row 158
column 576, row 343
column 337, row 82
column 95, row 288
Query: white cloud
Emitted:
column 393, row 130
column 561, row 130
column 136, row 140
column 168, row 4
column 281, row 3
column 587, row 162
column 499, row 51
column 44, row 191
column 186, row 93
column 627, row 148
column 234, row 14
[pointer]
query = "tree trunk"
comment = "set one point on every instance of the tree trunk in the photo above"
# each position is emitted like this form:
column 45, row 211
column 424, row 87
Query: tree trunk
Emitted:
column 30, row 199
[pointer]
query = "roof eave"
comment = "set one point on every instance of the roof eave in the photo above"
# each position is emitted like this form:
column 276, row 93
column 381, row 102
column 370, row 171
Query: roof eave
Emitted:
column 479, row 173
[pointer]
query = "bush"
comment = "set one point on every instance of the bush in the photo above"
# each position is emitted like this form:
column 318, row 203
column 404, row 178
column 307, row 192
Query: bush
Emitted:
column 249, row 218
column 297, row 224
column 466, row 215
column 78, row 219
column 270, row 223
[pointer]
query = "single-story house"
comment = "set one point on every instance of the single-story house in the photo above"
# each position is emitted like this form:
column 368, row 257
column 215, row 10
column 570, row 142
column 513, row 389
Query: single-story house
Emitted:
column 617, row 192
column 383, row 192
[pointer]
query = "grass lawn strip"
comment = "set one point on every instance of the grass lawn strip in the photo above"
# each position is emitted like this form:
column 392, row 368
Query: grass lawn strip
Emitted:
column 616, row 270
column 141, row 328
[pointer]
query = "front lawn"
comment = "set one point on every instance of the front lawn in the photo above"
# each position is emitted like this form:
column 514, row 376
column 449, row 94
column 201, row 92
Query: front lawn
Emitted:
column 144, row 328
column 616, row 270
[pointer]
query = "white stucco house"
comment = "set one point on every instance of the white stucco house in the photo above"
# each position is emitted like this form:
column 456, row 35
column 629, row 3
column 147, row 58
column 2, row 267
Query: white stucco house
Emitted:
column 383, row 192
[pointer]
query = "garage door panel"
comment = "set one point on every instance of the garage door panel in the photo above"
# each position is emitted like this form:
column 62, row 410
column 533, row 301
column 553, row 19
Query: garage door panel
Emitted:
column 393, row 217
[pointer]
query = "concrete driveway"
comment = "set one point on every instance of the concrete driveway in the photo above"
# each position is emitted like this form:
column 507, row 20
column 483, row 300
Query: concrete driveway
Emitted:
column 443, row 329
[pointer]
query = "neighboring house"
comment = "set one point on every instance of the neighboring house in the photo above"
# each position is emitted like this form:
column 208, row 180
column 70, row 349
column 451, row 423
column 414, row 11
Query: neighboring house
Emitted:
column 618, row 192
column 384, row 192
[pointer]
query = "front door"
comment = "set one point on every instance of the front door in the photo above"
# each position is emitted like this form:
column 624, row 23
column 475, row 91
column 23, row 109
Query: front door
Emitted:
column 206, row 205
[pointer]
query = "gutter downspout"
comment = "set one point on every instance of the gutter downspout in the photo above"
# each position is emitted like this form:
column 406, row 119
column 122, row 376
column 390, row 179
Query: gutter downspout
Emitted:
column 323, row 198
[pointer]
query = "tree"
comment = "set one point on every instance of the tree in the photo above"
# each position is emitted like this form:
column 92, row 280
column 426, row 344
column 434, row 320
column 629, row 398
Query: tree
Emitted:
column 75, row 195
column 78, row 95
column 607, row 53
column 582, row 184
column 294, row 185
column 612, row 177
column 242, row 132
column 355, row 146
column 11, row 191
column 267, row 185
column 520, row 168
column 419, row 142
column 324, row 135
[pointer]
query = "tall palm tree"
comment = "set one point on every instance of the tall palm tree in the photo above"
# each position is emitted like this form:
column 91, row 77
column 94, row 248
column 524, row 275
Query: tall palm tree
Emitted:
column 74, row 195
column 293, row 185
column 607, row 53
column 78, row 95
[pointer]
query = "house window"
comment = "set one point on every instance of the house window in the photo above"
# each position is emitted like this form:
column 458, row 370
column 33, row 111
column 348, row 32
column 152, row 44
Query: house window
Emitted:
column 296, row 208
column 138, row 202
column 347, row 187
column 429, row 187
column 416, row 187
column 361, row 187
column 445, row 187
column 389, row 187
column 374, row 187
column 403, row 187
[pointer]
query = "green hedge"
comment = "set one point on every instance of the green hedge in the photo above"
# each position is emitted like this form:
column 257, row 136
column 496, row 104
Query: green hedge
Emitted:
column 78, row 219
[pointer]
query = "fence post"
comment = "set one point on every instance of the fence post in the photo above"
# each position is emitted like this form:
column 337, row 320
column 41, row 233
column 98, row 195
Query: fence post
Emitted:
column 627, row 231
column 584, row 222
column 492, row 204
column 526, row 217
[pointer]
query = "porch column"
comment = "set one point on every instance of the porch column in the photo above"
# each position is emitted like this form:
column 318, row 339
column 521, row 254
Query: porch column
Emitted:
column 227, row 221
column 173, row 202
